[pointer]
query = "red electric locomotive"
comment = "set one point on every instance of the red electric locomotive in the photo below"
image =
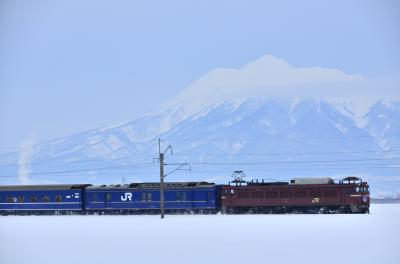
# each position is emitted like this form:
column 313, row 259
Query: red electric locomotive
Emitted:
column 300, row 195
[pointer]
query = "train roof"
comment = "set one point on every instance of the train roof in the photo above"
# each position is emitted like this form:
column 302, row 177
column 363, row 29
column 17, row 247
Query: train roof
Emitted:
column 155, row 185
column 256, row 183
column 305, row 181
column 43, row 187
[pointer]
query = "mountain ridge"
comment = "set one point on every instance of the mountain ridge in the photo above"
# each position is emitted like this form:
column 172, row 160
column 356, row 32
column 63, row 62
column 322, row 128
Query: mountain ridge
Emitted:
column 226, row 114
column 231, row 130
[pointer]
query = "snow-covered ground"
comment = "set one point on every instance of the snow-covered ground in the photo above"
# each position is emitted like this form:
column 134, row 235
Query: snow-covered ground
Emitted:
column 372, row 238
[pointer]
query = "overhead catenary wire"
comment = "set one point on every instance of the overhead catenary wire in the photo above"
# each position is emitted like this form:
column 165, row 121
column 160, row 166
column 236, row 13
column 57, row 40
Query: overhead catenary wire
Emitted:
column 290, row 153
column 89, row 169
column 95, row 170
column 287, row 162
column 50, row 161
column 229, row 163
column 228, row 171
column 53, row 161
column 274, row 137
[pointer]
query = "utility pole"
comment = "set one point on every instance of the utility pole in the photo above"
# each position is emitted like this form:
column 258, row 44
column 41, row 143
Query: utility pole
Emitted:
column 163, row 175
column 161, row 159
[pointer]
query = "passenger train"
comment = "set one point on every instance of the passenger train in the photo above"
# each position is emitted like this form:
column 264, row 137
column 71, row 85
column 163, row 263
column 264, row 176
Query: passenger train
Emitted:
column 301, row 195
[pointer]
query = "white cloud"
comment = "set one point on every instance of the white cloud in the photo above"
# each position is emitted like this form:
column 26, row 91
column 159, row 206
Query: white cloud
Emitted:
column 271, row 77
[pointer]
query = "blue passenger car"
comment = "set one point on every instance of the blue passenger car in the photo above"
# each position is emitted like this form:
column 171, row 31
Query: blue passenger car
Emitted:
column 145, row 197
column 41, row 199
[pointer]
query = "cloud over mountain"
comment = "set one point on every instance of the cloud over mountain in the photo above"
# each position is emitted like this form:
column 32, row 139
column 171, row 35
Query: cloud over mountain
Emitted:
column 268, row 77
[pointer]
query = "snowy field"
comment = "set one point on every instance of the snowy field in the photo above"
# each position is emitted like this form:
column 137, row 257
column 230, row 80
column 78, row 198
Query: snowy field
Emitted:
column 372, row 238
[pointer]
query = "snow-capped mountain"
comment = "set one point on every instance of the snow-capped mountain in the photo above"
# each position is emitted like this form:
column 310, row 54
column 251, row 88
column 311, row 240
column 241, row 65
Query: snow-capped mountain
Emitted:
column 237, row 119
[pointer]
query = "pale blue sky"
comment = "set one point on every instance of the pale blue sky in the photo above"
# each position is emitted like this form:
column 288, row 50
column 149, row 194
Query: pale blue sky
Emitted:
column 68, row 66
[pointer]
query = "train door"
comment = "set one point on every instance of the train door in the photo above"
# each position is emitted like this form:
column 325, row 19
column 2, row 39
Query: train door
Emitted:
column 229, row 194
column 109, row 198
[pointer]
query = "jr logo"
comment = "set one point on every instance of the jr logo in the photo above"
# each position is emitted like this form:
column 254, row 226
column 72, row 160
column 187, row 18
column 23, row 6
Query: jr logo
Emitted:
column 315, row 200
column 126, row 197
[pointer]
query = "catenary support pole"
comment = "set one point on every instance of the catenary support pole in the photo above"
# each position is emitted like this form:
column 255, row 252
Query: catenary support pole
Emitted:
column 162, row 184
column 161, row 160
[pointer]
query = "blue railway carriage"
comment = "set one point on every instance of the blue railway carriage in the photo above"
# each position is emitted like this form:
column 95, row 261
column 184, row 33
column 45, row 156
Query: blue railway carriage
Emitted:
column 42, row 199
column 137, row 198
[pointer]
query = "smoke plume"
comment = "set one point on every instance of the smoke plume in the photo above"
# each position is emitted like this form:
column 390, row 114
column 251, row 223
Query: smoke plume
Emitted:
column 24, row 161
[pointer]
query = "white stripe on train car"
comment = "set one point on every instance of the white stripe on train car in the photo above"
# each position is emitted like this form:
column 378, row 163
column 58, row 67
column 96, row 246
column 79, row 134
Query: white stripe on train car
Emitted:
column 38, row 209
column 44, row 203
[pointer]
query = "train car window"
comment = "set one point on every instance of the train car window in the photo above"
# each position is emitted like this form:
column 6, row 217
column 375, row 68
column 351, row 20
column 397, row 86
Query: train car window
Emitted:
column 143, row 196
column 149, row 198
column 58, row 198
column 46, row 199
column 180, row 196
column 33, row 199
column 109, row 196
column 10, row 199
column 21, row 199
column 94, row 197
column 209, row 196
column 357, row 189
